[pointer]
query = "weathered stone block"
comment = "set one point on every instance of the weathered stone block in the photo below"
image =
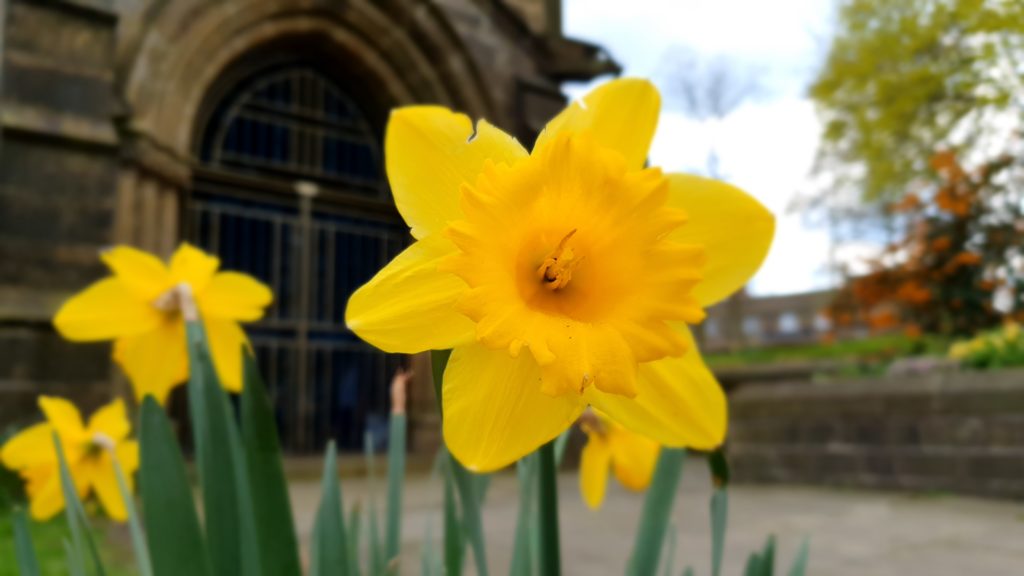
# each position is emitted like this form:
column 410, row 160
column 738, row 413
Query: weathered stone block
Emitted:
column 31, row 352
column 53, row 268
column 960, row 432
column 63, row 36
column 66, row 91
column 57, row 170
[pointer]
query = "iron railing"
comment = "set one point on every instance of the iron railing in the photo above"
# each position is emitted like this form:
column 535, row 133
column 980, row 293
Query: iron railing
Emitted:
column 324, row 381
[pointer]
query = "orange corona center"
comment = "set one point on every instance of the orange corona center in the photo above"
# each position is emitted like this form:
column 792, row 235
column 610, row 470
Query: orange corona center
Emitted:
column 565, row 252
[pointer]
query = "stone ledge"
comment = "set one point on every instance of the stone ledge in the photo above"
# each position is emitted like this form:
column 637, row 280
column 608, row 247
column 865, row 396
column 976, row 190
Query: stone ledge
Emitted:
column 953, row 431
column 958, row 381
column 352, row 465
column 16, row 116
column 781, row 372
column 30, row 304
column 102, row 9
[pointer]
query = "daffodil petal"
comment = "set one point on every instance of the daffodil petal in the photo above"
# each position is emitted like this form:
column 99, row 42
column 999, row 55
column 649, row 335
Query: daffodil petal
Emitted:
column 36, row 477
column 494, row 410
column 594, row 463
column 193, row 267
column 621, row 114
column 106, row 310
column 103, row 480
column 430, row 152
column 47, row 501
column 155, row 362
column 734, row 228
column 226, row 340
column 408, row 306
column 678, row 402
column 64, row 417
column 234, row 296
column 140, row 271
column 128, row 456
column 110, row 420
column 633, row 459
column 29, row 448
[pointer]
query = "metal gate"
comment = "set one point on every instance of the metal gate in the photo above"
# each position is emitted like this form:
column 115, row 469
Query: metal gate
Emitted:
column 275, row 140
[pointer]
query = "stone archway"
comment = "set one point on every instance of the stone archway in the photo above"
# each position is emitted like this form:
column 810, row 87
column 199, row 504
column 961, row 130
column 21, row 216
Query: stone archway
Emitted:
column 172, row 54
column 188, row 44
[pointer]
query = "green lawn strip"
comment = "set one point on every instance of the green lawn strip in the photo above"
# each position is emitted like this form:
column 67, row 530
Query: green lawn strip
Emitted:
column 875, row 350
column 48, row 539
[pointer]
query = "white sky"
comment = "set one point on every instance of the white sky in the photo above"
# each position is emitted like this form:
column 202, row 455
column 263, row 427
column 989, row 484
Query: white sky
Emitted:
column 767, row 145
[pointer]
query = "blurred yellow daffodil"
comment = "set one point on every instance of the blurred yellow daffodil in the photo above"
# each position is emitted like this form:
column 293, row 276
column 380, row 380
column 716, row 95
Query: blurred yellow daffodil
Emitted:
column 89, row 451
column 140, row 307
column 999, row 347
column 1011, row 331
column 610, row 447
column 960, row 350
column 575, row 252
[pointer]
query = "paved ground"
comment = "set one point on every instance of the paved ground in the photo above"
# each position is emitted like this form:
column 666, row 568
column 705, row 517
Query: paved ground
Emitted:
column 851, row 532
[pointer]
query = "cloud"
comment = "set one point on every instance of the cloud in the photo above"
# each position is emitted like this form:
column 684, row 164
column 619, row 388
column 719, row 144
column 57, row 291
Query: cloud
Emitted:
column 766, row 146
column 766, row 149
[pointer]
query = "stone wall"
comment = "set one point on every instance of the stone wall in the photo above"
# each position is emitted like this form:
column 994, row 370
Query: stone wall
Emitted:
column 59, row 164
column 538, row 13
column 58, row 173
column 947, row 432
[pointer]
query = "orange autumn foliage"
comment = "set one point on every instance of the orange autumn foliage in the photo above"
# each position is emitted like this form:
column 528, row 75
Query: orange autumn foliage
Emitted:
column 883, row 320
column 914, row 293
column 959, row 236
column 941, row 244
column 912, row 331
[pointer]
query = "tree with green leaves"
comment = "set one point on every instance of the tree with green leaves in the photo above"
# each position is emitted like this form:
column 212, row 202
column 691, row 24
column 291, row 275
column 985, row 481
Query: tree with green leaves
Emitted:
column 906, row 78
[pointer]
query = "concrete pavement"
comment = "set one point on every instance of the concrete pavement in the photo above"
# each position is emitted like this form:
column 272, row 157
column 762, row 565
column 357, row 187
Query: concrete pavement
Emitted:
column 851, row 532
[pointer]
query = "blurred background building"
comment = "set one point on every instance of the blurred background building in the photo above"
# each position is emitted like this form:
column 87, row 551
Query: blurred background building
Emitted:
column 252, row 128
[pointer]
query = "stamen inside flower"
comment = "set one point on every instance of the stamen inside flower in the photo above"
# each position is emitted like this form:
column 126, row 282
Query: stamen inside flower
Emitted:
column 556, row 271
column 178, row 299
column 168, row 302
column 101, row 440
column 98, row 443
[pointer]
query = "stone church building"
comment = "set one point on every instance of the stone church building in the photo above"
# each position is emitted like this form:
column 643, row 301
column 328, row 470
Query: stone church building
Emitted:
column 252, row 128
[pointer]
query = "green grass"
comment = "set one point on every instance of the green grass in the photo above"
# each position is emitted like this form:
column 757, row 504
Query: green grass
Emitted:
column 872, row 351
column 48, row 538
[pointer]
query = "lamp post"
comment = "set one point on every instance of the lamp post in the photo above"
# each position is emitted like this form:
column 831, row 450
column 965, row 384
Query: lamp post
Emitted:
column 306, row 192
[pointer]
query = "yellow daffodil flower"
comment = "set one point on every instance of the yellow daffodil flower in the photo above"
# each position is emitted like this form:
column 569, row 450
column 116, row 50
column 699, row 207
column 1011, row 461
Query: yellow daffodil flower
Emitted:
column 1011, row 331
column 89, row 451
column 960, row 350
column 139, row 307
column 611, row 447
column 575, row 252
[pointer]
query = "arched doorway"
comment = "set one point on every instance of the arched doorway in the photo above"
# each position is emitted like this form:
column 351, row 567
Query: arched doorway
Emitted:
column 289, row 187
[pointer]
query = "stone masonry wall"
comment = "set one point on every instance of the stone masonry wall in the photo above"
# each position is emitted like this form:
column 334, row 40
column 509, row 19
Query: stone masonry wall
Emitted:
column 58, row 171
column 949, row 432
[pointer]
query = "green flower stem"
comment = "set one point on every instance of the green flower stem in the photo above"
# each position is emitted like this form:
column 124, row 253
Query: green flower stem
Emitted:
column 550, row 561
column 654, row 521
column 138, row 537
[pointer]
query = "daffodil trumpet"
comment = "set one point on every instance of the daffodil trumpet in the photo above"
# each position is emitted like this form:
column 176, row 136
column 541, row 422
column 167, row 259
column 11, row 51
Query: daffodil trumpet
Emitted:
column 561, row 278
